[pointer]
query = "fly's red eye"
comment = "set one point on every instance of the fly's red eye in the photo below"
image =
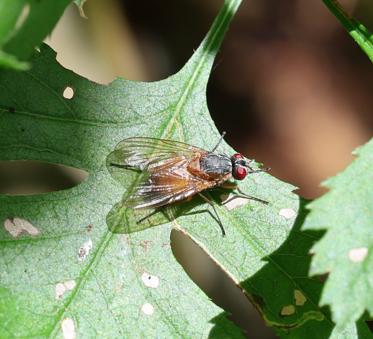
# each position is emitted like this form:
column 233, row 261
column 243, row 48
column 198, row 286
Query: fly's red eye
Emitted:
column 237, row 156
column 239, row 173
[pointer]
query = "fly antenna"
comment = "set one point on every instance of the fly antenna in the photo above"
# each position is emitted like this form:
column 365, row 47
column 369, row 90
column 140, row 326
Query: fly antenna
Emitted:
column 219, row 142
column 251, row 170
column 260, row 170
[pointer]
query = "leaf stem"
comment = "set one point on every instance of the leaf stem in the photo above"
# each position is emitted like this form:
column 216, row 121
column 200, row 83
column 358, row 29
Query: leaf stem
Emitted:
column 218, row 29
column 357, row 30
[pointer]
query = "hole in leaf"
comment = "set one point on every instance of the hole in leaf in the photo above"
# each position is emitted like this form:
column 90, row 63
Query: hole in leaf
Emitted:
column 218, row 286
column 34, row 177
column 68, row 92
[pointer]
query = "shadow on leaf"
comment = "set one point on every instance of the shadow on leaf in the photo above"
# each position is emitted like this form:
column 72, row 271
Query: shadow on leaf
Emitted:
column 286, row 297
column 283, row 293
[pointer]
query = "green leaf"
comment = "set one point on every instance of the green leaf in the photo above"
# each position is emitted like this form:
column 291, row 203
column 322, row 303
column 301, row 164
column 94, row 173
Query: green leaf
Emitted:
column 23, row 26
column 288, row 298
column 345, row 250
column 362, row 36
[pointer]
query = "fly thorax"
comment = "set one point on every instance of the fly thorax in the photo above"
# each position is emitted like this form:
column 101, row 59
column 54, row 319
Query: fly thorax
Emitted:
column 215, row 164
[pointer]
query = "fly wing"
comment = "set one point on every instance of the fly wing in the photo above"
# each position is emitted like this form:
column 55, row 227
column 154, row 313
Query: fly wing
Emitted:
column 143, row 153
column 171, row 182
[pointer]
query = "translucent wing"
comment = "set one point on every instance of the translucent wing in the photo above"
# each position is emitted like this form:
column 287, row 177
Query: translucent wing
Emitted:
column 169, row 183
column 146, row 153
column 166, row 168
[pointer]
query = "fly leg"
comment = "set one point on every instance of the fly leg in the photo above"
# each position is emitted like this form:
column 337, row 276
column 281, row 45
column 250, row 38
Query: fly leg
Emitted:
column 164, row 209
column 147, row 216
column 219, row 142
column 241, row 194
column 244, row 195
column 216, row 212
column 112, row 164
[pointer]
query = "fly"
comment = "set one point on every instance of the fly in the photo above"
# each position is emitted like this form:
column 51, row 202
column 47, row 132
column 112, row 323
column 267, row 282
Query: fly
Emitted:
column 177, row 171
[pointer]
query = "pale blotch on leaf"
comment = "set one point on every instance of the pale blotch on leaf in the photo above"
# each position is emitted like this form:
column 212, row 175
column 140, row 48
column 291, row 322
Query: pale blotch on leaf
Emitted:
column 68, row 92
column 287, row 213
column 147, row 309
column 68, row 328
column 84, row 250
column 230, row 202
column 299, row 297
column 149, row 280
column 17, row 226
column 357, row 254
column 63, row 287
column 288, row 310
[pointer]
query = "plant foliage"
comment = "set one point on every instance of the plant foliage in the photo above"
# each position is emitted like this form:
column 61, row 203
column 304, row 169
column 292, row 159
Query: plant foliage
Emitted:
column 70, row 261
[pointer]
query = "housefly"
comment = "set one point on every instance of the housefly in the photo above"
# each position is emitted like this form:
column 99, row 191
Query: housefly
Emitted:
column 176, row 171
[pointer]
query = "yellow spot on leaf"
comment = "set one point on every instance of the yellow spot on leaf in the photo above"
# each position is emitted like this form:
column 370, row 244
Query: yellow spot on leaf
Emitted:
column 287, row 310
column 299, row 297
